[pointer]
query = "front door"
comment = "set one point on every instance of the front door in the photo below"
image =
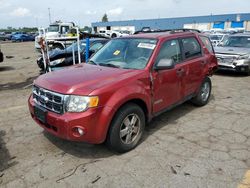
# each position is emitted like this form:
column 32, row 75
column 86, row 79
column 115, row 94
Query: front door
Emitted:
column 167, row 83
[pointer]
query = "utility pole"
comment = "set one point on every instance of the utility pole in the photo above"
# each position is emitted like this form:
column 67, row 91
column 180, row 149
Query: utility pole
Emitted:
column 49, row 16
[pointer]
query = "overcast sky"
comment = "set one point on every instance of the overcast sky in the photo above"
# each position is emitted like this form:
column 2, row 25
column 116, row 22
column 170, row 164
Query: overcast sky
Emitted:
column 20, row 13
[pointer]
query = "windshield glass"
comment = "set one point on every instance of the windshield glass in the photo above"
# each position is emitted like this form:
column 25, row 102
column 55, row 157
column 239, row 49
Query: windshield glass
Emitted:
column 125, row 53
column 74, row 46
column 237, row 41
column 53, row 28
column 215, row 37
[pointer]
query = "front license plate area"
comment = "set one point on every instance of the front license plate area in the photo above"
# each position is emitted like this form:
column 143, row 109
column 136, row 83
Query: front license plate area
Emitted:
column 41, row 114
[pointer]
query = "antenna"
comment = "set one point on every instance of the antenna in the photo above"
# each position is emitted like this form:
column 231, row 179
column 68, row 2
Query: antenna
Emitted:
column 49, row 16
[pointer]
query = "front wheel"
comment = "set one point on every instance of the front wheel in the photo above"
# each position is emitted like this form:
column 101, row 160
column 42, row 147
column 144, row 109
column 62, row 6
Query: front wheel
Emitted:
column 203, row 94
column 126, row 128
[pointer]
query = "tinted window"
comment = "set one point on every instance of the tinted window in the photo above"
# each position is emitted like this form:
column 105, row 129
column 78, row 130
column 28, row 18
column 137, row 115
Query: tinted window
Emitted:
column 191, row 47
column 170, row 50
column 207, row 43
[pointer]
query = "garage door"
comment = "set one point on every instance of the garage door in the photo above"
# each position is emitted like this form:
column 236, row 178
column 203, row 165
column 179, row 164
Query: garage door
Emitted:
column 237, row 24
column 219, row 25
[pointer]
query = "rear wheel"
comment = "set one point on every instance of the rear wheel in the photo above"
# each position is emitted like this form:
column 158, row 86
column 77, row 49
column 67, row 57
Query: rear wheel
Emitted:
column 126, row 128
column 203, row 95
column 113, row 35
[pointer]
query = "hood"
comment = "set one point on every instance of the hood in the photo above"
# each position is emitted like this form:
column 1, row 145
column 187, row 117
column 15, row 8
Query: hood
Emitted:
column 56, row 52
column 232, row 50
column 83, row 79
column 50, row 35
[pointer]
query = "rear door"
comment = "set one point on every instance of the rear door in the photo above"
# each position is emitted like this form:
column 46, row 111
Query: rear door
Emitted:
column 167, row 83
column 193, row 61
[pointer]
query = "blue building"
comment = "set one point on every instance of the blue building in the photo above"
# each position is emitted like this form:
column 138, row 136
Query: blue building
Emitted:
column 225, row 21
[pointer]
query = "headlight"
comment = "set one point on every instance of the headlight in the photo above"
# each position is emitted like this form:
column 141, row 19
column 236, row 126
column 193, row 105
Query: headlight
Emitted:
column 242, row 57
column 81, row 103
column 56, row 62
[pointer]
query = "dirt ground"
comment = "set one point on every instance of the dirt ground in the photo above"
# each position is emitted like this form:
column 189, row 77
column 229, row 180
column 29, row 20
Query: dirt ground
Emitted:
column 185, row 147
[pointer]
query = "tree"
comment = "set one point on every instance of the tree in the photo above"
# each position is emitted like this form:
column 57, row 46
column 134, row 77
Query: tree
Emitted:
column 105, row 18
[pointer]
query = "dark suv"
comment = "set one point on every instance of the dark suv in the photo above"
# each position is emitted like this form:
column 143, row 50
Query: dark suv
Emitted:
column 124, row 85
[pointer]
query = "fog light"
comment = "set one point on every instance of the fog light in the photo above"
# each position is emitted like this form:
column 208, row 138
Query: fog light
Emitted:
column 80, row 131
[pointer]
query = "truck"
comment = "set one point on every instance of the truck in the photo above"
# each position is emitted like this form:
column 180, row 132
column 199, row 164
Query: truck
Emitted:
column 54, row 33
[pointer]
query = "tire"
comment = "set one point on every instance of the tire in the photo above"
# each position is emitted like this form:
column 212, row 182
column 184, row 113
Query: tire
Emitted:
column 124, row 135
column 204, row 93
column 113, row 35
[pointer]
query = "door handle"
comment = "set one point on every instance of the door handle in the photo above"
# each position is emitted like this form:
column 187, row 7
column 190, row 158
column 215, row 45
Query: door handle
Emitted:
column 179, row 71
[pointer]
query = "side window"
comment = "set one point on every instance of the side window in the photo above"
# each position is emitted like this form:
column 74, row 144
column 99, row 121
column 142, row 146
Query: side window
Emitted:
column 191, row 47
column 170, row 50
column 95, row 47
column 64, row 29
column 207, row 43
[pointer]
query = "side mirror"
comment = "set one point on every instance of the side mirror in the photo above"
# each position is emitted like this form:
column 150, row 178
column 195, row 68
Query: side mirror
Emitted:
column 164, row 64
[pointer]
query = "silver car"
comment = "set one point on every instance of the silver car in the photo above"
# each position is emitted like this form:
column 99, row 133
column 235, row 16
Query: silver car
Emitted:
column 234, row 53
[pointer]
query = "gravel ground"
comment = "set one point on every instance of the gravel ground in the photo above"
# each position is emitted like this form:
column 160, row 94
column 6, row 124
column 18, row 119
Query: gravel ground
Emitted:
column 185, row 147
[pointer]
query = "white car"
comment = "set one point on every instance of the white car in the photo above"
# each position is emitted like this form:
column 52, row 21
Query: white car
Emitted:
column 114, row 33
column 217, row 38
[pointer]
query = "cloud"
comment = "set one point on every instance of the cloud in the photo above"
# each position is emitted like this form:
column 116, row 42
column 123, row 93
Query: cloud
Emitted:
column 116, row 11
column 89, row 12
column 20, row 12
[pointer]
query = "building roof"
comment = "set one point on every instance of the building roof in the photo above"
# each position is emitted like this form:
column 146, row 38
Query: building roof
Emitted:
column 178, row 22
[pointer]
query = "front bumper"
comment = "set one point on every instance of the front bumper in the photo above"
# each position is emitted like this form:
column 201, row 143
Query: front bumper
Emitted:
column 244, row 68
column 94, row 122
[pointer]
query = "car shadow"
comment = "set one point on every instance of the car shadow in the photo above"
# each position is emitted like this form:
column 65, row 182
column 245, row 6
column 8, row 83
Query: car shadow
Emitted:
column 20, row 85
column 80, row 149
column 170, row 117
column 6, row 160
column 229, row 73
column 6, row 68
column 91, row 151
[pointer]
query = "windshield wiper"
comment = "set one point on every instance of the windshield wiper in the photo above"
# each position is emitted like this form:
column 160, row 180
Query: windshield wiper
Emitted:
column 92, row 62
column 109, row 65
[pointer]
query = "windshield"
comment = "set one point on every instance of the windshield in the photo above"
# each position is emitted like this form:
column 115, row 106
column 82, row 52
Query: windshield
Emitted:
column 125, row 53
column 215, row 37
column 53, row 28
column 75, row 47
column 237, row 41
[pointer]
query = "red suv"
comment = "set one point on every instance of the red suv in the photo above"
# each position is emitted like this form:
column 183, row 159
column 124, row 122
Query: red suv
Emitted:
column 123, row 86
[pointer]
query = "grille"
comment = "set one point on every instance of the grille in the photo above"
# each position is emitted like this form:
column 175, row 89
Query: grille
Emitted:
column 50, row 100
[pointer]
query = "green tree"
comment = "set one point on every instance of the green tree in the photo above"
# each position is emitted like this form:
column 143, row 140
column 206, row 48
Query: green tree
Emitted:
column 105, row 18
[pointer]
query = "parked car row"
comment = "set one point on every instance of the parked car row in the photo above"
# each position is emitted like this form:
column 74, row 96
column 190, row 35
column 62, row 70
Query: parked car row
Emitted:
column 17, row 36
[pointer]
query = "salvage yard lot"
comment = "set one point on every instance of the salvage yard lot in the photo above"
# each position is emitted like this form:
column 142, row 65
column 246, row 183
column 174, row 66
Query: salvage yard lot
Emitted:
column 185, row 147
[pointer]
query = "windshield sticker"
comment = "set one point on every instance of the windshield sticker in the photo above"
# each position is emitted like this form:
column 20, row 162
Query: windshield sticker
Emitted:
column 146, row 45
column 117, row 52
column 248, row 38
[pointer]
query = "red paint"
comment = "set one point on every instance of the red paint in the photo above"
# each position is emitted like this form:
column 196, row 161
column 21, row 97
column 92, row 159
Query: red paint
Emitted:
column 115, row 87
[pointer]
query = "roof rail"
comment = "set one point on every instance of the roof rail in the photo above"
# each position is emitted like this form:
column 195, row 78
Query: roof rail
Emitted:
column 172, row 31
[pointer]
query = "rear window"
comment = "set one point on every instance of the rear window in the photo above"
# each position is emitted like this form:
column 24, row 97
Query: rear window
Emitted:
column 207, row 43
column 191, row 47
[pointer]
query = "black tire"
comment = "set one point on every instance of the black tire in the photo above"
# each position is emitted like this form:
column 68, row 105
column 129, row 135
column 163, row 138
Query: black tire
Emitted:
column 202, row 97
column 113, row 35
column 115, row 140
